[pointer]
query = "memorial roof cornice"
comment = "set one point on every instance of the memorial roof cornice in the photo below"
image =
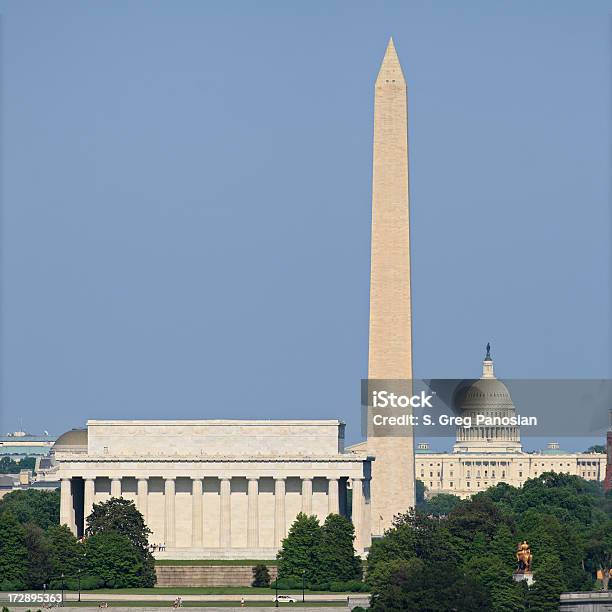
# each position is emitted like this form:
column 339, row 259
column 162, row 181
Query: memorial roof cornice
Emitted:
column 214, row 422
column 85, row 458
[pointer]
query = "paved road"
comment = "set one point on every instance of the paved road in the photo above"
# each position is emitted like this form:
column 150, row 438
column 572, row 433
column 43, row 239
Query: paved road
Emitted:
column 340, row 597
column 204, row 609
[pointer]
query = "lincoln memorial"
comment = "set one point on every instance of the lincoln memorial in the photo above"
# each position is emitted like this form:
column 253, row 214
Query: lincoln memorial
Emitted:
column 215, row 489
column 231, row 489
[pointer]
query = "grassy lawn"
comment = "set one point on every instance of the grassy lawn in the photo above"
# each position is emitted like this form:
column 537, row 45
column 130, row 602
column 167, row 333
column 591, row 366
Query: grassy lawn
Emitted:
column 205, row 591
column 249, row 562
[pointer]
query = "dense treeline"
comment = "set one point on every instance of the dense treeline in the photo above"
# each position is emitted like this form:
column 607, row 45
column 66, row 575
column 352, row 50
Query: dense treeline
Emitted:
column 35, row 550
column 10, row 466
column 40, row 508
column 449, row 554
column 460, row 555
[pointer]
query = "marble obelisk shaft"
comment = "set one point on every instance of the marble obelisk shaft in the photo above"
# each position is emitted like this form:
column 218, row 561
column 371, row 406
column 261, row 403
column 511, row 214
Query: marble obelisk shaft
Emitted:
column 390, row 336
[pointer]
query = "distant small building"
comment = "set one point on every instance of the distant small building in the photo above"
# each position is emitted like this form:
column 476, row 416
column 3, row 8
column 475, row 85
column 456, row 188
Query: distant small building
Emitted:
column 20, row 444
column 8, row 483
column 24, row 481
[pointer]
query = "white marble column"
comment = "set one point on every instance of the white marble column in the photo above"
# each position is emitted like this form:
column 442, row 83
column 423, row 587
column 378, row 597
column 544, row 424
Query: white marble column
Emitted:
column 66, row 509
column 279, row 511
column 333, row 501
column 143, row 498
column 225, row 516
column 307, row 495
column 253, row 513
column 197, row 515
column 170, row 491
column 88, row 498
column 357, row 511
column 115, row 487
column 366, row 518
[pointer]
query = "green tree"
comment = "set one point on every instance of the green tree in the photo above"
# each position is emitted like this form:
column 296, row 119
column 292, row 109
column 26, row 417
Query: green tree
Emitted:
column 389, row 582
column 439, row 505
column 65, row 552
column 476, row 515
column 398, row 544
column 599, row 550
column 503, row 495
column 121, row 516
column 415, row 586
column 596, row 448
column 419, row 491
column 33, row 506
column 300, row 550
column 13, row 553
column 494, row 574
column 39, row 563
column 337, row 559
column 547, row 535
column 114, row 558
column 565, row 496
column 503, row 545
column 10, row 466
column 488, row 570
column 508, row 596
column 543, row 596
column 414, row 535
column 261, row 576
column 473, row 524
column 27, row 463
column 569, row 498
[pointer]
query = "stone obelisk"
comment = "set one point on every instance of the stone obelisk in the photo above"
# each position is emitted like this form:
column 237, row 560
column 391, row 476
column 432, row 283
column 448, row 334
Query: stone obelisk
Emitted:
column 390, row 339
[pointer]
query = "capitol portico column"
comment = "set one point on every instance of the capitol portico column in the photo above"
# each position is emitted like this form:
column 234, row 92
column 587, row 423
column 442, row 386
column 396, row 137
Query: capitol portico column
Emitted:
column 170, row 491
column 143, row 498
column 279, row 511
column 253, row 514
column 197, row 513
column 357, row 511
column 116, row 487
column 225, row 516
column 89, row 491
column 333, row 502
column 66, row 513
column 307, row 496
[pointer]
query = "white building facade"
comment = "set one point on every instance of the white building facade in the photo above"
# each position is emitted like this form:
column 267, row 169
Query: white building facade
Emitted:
column 215, row 488
column 463, row 475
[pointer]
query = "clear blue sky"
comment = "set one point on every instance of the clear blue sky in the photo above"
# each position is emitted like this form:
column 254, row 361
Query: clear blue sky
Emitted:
column 186, row 201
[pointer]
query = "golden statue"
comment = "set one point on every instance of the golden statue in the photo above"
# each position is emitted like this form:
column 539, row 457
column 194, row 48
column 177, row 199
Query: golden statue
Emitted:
column 524, row 557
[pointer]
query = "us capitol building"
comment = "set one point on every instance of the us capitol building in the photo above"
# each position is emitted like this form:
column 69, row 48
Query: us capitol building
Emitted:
column 485, row 456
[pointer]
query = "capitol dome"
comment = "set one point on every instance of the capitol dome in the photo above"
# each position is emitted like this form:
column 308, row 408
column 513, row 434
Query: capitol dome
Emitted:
column 488, row 399
column 485, row 394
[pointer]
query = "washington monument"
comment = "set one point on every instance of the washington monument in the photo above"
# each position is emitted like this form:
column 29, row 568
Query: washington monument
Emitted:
column 390, row 338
